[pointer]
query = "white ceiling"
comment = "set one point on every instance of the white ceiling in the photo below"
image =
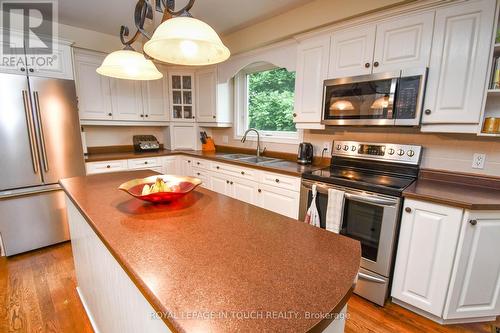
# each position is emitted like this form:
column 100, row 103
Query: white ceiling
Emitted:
column 223, row 15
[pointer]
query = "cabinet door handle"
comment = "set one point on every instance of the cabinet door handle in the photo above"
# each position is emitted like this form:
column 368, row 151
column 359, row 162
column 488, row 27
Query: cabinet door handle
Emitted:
column 213, row 117
column 146, row 116
column 428, row 112
column 31, row 70
column 189, row 161
column 243, row 172
column 110, row 114
column 217, row 167
column 231, row 183
column 277, row 180
column 227, row 181
column 367, row 65
column 146, row 162
column 294, row 115
column 198, row 163
column 259, row 190
column 142, row 115
column 198, row 173
column 22, row 69
column 473, row 222
column 375, row 64
column 408, row 209
column 108, row 166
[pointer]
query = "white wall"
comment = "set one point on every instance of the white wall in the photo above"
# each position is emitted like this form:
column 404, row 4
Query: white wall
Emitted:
column 441, row 151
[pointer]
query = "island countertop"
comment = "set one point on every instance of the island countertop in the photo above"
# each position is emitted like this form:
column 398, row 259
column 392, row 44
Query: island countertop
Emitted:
column 209, row 252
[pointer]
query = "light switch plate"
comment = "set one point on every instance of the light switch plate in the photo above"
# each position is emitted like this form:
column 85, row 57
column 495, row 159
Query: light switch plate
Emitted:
column 327, row 148
column 478, row 161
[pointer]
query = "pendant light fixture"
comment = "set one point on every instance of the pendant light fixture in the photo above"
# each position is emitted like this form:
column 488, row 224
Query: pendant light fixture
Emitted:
column 180, row 39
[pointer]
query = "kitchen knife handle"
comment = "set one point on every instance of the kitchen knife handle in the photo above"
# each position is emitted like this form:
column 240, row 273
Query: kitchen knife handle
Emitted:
column 42, row 134
column 31, row 134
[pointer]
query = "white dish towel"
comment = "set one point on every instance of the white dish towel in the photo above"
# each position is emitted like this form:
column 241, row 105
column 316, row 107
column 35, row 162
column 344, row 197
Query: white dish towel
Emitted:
column 334, row 210
column 312, row 215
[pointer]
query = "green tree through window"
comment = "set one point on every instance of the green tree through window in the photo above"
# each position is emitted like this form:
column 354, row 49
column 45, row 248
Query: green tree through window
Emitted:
column 270, row 100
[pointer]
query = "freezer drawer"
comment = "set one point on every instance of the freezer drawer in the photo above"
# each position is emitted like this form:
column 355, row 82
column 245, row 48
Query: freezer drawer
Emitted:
column 33, row 221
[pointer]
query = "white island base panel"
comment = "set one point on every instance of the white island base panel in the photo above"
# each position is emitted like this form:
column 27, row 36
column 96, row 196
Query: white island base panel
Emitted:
column 112, row 301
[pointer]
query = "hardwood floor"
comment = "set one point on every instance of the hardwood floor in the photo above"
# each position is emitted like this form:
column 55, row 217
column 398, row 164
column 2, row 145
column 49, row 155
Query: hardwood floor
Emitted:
column 37, row 294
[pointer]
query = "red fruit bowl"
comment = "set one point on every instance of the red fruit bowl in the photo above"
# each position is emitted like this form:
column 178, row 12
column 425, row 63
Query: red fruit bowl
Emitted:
column 178, row 185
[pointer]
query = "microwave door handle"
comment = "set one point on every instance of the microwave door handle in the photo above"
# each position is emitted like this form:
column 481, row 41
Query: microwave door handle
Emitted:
column 370, row 199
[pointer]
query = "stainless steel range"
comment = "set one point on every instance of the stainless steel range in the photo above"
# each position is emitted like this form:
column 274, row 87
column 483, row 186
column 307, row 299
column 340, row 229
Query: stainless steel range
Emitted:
column 373, row 177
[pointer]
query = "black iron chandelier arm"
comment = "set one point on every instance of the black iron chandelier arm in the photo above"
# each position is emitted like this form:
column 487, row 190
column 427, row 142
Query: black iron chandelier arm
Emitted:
column 143, row 11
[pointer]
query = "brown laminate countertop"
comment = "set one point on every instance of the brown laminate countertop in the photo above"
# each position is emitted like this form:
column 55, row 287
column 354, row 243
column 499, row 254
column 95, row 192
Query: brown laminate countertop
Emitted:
column 209, row 252
column 284, row 167
column 473, row 192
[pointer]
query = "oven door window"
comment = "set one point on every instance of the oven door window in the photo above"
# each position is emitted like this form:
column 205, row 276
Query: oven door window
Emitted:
column 363, row 221
column 360, row 100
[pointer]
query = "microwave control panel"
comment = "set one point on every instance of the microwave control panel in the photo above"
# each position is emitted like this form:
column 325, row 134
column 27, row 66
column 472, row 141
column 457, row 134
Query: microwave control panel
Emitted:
column 407, row 97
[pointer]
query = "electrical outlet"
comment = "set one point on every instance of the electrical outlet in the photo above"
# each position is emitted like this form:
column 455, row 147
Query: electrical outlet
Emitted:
column 478, row 161
column 225, row 139
column 328, row 147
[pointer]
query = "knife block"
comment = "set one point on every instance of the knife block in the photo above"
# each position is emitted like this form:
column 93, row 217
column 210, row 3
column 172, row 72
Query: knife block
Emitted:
column 209, row 146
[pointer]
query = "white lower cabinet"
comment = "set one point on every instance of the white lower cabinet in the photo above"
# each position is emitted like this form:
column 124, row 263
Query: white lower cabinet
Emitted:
column 427, row 243
column 444, row 266
column 275, row 192
column 171, row 165
column 279, row 200
column 475, row 286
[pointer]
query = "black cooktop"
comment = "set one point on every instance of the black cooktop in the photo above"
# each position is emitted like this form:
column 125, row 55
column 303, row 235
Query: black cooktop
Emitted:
column 380, row 177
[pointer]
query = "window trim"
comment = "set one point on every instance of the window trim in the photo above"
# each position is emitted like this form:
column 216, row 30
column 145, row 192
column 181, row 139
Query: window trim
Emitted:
column 241, row 111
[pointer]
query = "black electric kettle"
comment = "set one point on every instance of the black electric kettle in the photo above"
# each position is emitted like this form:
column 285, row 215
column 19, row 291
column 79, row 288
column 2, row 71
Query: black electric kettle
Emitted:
column 305, row 154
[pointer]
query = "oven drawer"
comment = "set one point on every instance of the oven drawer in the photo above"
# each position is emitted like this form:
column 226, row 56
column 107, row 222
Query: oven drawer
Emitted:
column 373, row 287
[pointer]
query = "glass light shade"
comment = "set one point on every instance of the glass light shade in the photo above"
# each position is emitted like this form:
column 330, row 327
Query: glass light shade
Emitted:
column 186, row 41
column 129, row 65
column 342, row 105
column 380, row 103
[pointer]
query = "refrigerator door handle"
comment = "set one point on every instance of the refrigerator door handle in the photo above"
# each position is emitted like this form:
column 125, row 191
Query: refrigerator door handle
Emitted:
column 31, row 134
column 42, row 134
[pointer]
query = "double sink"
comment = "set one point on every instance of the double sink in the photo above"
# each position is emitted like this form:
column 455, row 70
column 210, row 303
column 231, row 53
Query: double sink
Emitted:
column 251, row 159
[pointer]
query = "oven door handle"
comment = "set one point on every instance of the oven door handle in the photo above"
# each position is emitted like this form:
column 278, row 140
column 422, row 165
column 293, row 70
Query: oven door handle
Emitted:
column 370, row 199
column 370, row 278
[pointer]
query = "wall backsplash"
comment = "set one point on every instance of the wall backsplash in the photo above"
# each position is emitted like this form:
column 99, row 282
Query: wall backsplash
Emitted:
column 451, row 152
column 98, row 136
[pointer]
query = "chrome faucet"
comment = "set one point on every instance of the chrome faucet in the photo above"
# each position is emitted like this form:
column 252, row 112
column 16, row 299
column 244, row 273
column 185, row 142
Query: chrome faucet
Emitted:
column 244, row 138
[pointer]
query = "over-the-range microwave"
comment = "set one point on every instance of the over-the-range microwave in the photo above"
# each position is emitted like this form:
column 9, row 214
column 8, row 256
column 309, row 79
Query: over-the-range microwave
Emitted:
column 383, row 99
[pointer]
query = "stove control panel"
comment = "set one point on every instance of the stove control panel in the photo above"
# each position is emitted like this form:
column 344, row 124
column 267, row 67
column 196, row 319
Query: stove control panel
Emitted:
column 389, row 152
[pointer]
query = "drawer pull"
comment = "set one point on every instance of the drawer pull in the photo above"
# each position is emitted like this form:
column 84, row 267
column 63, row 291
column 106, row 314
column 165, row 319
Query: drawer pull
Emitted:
column 227, row 181
column 217, row 167
column 198, row 173
column 408, row 209
column 231, row 183
column 146, row 162
column 243, row 172
column 375, row 64
column 473, row 222
column 259, row 190
column 189, row 161
column 198, row 163
column 108, row 166
column 277, row 180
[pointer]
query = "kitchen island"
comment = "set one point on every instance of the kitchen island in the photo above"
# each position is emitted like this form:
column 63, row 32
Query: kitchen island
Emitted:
column 207, row 263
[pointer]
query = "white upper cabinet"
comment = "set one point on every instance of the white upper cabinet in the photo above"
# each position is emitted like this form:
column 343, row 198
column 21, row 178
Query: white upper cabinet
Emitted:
column 182, row 90
column 312, row 70
column 404, row 42
column 155, row 98
column 352, row 52
column 93, row 90
column 126, row 99
column 475, row 287
column 183, row 136
column 57, row 65
column 206, row 97
column 459, row 65
column 426, row 250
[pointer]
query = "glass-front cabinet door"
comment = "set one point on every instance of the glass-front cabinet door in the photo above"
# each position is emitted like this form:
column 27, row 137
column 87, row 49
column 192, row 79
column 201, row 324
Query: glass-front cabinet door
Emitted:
column 182, row 96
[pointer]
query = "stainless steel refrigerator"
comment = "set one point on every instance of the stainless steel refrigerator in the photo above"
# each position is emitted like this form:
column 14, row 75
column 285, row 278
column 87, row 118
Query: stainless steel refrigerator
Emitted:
column 40, row 143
